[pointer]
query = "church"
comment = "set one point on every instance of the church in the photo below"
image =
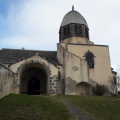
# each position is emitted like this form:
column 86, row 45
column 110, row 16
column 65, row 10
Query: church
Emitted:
column 74, row 69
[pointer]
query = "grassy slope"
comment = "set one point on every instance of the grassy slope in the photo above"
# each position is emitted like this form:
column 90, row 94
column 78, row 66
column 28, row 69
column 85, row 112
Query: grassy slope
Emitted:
column 102, row 108
column 25, row 107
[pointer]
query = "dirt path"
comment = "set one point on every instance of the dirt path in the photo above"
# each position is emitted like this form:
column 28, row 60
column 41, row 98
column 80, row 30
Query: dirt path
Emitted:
column 77, row 112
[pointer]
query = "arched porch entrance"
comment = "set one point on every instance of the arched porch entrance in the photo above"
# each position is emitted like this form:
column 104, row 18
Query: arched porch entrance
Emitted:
column 34, row 79
column 83, row 88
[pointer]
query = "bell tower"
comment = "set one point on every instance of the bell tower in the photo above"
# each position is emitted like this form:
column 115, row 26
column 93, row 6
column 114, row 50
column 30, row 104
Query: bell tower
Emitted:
column 74, row 29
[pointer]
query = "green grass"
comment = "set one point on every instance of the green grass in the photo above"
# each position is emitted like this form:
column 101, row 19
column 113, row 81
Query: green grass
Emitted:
column 101, row 108
column 26, row 107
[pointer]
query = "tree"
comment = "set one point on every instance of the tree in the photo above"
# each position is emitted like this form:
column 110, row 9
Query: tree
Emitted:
column 115, row 83
column 118, row 82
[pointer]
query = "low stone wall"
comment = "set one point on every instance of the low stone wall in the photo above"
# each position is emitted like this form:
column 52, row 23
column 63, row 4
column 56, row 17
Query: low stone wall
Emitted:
column 6, row 81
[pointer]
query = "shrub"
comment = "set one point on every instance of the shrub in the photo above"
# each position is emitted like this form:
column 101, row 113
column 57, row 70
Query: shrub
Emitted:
column 114, row 95
column 100, row 89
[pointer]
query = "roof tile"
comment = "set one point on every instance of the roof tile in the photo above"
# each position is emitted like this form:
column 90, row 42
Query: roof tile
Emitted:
column 11, row 56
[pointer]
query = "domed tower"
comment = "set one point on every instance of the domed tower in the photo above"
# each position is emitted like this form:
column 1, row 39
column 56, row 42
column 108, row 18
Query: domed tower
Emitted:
column 74, row 29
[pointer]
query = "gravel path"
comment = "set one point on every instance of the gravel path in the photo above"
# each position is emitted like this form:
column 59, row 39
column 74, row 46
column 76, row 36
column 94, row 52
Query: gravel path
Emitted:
column 77, row 112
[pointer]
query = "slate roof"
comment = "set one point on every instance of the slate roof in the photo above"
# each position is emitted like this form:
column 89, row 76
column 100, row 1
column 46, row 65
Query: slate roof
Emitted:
column 11, row 56
column 73, row 17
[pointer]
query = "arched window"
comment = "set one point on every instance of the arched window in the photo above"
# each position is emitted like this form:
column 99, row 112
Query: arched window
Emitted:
column 89, row 57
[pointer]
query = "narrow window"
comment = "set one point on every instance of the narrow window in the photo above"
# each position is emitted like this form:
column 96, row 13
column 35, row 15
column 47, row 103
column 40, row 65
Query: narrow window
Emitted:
column 65, row 32
column 68, row 31
column 86, row 33
column 90, row 59
column 76, row 30
column 80, row 31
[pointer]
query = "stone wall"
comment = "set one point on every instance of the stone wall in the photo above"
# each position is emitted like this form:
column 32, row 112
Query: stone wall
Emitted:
column 6, row 81
column 76, row 71
column 54, row 84
column 102, row 66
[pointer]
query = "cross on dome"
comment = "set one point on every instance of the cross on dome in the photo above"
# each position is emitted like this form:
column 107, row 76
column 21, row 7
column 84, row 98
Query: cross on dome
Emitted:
column 72, row 7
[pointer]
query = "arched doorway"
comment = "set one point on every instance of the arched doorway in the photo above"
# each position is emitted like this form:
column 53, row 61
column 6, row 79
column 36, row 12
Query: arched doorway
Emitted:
column 34, row 86
column 33, row 80
column 83, row 88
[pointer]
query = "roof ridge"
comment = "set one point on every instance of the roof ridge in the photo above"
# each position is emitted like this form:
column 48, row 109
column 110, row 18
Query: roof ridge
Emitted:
column 28, row 50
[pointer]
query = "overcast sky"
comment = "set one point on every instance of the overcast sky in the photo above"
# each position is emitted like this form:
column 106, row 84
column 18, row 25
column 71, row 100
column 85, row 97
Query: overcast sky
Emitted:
column 34, row 24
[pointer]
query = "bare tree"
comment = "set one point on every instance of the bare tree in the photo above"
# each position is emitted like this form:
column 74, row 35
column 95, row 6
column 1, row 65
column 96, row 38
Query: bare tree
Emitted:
column 118, row 82
column 112, row 80
column 115, row 83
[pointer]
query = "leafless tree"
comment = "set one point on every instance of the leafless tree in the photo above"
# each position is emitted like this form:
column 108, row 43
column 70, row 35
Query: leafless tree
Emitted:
column 118, row 82
column 115, row 83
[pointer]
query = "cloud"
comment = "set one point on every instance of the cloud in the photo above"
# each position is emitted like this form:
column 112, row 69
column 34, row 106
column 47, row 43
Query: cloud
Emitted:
column 27, row 25
column 34, row 24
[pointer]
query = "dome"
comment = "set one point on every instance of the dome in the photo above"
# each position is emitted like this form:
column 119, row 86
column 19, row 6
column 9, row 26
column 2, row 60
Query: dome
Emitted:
column 73, row 17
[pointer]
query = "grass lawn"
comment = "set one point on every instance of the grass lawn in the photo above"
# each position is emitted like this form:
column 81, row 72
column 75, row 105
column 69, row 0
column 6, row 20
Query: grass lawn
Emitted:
column 26, row 107
column 102, row 108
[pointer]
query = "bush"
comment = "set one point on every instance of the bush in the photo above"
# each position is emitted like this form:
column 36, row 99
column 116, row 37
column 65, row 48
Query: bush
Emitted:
column 114, row 95
column 100, row 89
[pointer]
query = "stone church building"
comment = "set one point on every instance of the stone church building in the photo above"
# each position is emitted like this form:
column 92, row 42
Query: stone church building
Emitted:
column 76, row 66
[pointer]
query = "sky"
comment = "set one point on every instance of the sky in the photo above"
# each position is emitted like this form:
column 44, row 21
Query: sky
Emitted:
column 34, row 24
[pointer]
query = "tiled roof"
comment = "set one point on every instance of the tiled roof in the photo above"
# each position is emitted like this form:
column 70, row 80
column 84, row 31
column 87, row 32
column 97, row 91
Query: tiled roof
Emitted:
column 11, row 56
